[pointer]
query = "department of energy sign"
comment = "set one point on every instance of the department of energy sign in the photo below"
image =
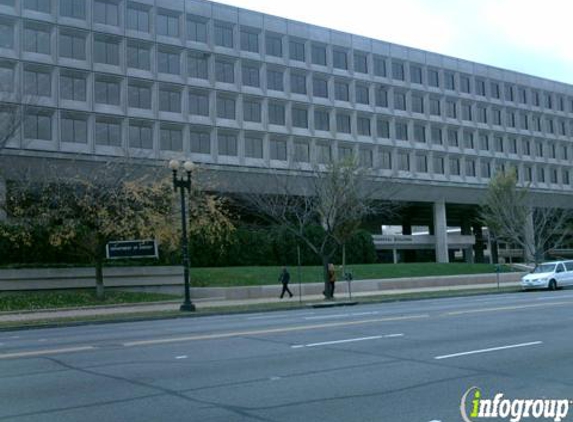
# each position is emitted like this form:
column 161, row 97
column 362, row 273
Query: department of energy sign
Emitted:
column 132, row 249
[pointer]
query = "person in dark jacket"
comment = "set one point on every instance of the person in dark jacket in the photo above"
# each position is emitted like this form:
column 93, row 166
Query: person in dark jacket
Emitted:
column 284, row 278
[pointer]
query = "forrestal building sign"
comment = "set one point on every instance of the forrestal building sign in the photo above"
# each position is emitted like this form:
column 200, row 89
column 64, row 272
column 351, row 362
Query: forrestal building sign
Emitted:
column 132, row 249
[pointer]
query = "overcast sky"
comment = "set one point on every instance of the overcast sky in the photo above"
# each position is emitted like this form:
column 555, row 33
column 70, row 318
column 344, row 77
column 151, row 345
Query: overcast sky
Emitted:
column 529, row 36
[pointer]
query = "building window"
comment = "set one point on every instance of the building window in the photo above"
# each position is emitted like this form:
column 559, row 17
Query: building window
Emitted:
column 299, row 117
column 73, row 9
column 401, row 129
column 273, row 45
column 139, row 56
column 224, row 34
column 465, row 84
column 485, row 167
column 249, row 40
column 73, row 87
column 106, row 12
column 137, row 18
column 44, row 6
column 365, row 157
column 341, row 91
column 108, row 132
column 321, row 120
column 509, row 92
column 419, row 133
column 139, row 96
column 224, row 71
column 251, row 74
column 6, row 35
column 512, row 142
column 276, row 114
column 225, row 107
column 522, row 95
column 403, row 161
column 169, row 62
column 196, row 29
column 450, row 81
column 301, row 152
column 167, row 24
column 106, row 51
column 383, row 128
column 343, row 123
column 362, row 94
column 468, row 140
column 482, row 114
column 381, row 96
column 435, row 109
column 298, row 83
column 73, row 46
column 107, row 91
column 540, row 175
column 360, row 62
column 296, row 50
column 565, row 177
column 37, row 82
column 363, row 126
column 319, row 87
column 498, row 144
column 380, row 66
column 252, row 110
column 278, row 149
column 415, row 74
column 421, row 163
column 467, row 112
column 451, row 109
column 526, row 147
column 483, row 142
column 496, row 116
column 417, row 103
column 169, row 100
column 453, row 140
column 323, row 153
column 436, row 135
column 74, row 128
column 253, row 147
column 339, row 59
column 199, row 103
column 318, row 54
column 200, row 142
column 399, row 101
column 37, row 39
column 171, row 139
column 38, row 124
column 494, row 90
column 345, row 152
column 455, row 166
column 275, row 80
column 140, row 134
column 438, row 165
column 433, row 78
column 470, row 168
column 198, row 65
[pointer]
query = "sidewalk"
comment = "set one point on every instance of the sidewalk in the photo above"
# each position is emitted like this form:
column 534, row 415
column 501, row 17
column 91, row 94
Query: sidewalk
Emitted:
column 209, row 304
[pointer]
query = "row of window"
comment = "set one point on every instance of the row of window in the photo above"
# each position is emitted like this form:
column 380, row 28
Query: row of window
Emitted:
column 37, row 39
column 384, row 128
column 108, row 132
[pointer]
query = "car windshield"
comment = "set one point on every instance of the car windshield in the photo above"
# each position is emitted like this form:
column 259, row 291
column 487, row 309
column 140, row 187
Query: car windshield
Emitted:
column 544, row 268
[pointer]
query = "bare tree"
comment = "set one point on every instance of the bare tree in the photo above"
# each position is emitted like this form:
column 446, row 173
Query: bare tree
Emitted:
column 334, row 199
column 510, row 215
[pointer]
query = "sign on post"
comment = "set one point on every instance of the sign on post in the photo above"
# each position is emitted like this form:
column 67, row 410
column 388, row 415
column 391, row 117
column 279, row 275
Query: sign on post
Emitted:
column 132, row 249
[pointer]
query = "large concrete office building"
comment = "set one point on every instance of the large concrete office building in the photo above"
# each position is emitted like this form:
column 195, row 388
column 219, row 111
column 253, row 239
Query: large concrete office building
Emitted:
column 241, row 92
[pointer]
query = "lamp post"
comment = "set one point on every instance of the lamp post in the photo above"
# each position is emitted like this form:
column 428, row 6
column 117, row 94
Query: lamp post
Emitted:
column 184, row 184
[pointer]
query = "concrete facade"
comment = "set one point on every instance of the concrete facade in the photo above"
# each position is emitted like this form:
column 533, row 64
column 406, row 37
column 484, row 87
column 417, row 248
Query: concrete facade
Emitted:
column 240, row 92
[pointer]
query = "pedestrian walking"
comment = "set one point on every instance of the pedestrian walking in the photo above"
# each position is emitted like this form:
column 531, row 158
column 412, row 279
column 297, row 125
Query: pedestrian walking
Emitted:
column 284, row 278
column 331, row 279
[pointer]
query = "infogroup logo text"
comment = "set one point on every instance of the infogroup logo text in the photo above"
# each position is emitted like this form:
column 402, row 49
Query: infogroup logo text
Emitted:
column 514, row 410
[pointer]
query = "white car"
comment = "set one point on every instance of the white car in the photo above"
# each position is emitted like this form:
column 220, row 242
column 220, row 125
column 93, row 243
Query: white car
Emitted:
column 549, row 275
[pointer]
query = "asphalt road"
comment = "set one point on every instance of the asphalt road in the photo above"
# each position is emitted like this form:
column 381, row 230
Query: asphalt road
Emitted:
column 410, row 362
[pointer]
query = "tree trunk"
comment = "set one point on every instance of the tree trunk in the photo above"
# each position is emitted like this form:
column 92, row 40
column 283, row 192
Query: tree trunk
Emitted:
column 100, row 291
column 327, row 290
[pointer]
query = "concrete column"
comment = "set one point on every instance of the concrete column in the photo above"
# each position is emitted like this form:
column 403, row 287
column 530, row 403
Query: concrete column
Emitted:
column 409, row 255
column 2, row 199
column 479, row 245
column 529, row 251
column 467, row 231
column 440, row 230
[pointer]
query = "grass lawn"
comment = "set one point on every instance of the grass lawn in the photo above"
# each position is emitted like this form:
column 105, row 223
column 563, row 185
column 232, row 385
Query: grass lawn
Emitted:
column 73, row 299
column 254, row 276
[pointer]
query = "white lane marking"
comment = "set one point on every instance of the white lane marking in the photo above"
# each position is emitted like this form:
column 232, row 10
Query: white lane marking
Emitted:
column 42, row 340
column 181, row 357
column 270, row 318
column 350, row 340
column 282, row 330
column 341, row 315
column 45, row 352
column 491, row 349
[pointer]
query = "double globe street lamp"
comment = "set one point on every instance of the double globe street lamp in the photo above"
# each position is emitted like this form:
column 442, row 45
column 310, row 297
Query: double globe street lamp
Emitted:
column 184, row 184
